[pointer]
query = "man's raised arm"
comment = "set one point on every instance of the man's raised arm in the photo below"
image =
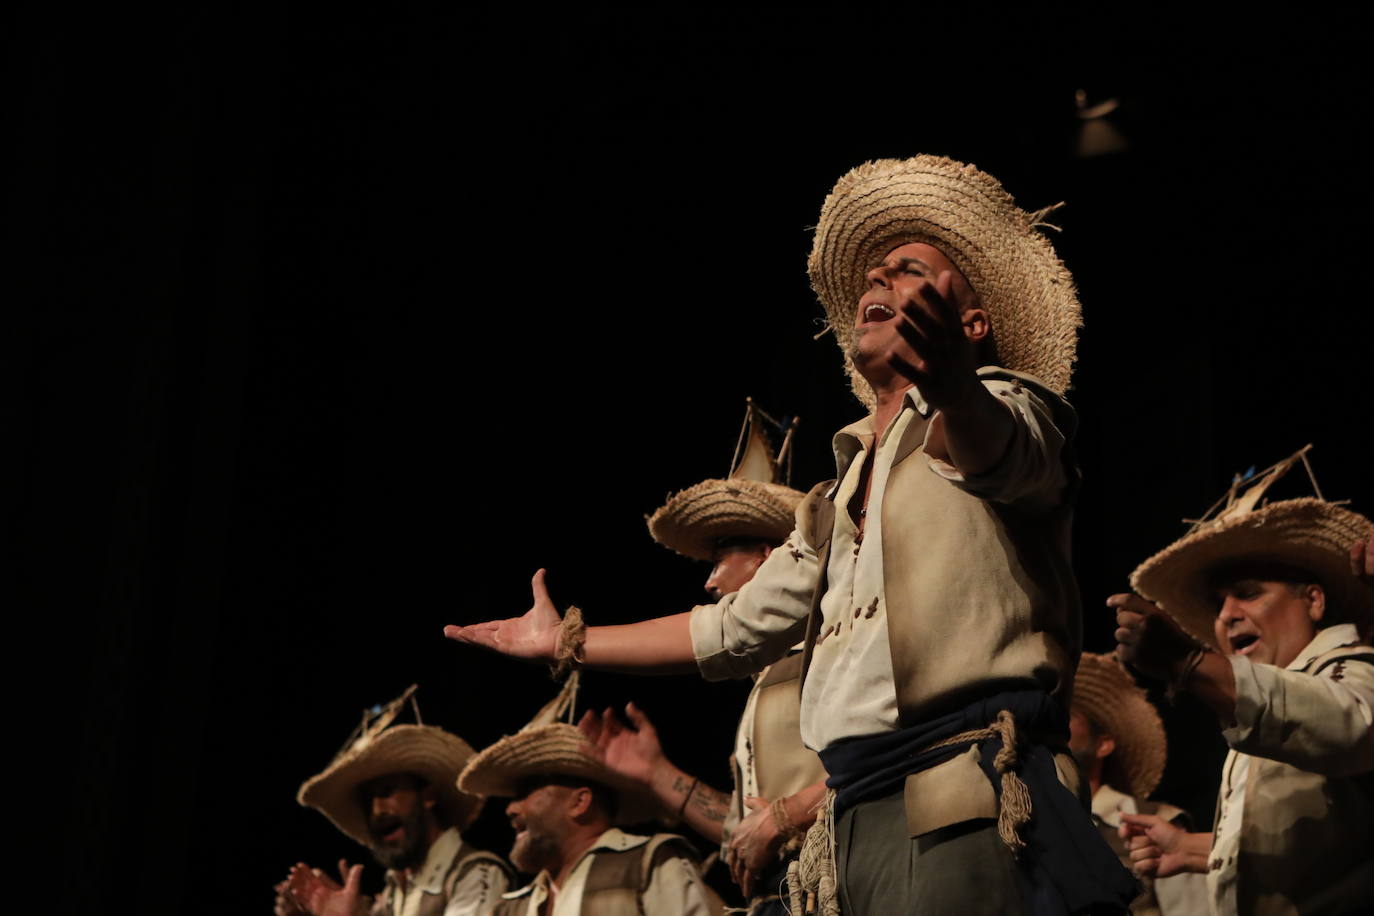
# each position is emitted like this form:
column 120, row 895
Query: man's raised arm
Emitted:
column 662, row 645
column 736, row 636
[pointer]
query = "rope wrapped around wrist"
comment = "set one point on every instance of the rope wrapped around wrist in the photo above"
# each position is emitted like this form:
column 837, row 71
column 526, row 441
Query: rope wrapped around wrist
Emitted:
column 568, row 649
column 792, row 835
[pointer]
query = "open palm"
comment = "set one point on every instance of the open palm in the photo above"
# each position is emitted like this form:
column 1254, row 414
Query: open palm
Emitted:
column 634, row 753
column 533, row 635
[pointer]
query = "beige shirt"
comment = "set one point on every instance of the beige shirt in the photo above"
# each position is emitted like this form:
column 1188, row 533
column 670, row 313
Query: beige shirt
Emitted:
column 849, row 689
column 1320, row 722
column 480, row 887
column 675, row 887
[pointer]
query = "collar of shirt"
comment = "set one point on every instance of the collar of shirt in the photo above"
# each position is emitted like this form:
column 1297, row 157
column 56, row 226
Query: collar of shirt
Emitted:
column 1333, row 637
column 430, row 877
column 539, row 887
column 858, row 436
column 1108, row 804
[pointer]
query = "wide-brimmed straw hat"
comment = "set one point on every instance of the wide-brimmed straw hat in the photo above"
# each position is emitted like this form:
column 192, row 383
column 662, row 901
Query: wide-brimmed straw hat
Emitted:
column 1309, row 534
column 548, row 747
column 379, row 748
column 558, row 749
column 1105, row 692
column 695, row 520
column 750, row 503
column 965, row 213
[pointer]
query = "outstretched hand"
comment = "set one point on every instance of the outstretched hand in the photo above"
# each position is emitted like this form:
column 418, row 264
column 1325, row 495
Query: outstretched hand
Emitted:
column 634, row 753
column 534, row 635
column 1147, row 638
column 931, row 323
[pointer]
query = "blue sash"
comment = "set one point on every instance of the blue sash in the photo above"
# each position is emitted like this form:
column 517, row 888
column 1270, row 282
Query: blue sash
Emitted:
column 1068, row 866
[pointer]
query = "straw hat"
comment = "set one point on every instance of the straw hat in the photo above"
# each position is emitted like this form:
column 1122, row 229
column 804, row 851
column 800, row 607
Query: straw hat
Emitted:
column 1310, row 534
column 966, row 214
column 378, row 748
column 558, row 749
column 750, row 503
column 547, row 747
column 1104, row 692
column 693, row 521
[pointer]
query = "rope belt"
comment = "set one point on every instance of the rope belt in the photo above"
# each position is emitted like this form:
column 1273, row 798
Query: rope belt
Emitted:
column 811, row 879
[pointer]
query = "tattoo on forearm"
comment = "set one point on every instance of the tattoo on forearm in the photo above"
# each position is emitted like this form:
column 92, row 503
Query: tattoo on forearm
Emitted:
column 710, row 804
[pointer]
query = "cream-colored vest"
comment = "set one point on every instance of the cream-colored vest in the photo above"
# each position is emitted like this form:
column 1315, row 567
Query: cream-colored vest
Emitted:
column 782, row 764
column 980, row 598
column 434, row 904
column 616, row 878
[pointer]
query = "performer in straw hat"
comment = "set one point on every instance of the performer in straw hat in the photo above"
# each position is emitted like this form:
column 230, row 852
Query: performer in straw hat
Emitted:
column 1256, row 611
column 734, row 524
column 393, row 788
column 1118, row 740
column 564, row 806
column 931, row 581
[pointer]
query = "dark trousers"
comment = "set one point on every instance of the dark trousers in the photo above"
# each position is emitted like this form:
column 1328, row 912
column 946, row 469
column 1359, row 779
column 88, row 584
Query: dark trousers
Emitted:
column 882, row 871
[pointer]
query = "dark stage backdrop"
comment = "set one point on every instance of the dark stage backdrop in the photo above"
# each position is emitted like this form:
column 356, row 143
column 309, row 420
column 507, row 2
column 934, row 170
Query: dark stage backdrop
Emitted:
column 336, row 327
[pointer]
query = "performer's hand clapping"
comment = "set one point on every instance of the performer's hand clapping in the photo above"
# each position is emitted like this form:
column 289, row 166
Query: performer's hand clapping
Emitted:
column 533, row 635
column 319, row 895
column 285, row 904
column 634, row 753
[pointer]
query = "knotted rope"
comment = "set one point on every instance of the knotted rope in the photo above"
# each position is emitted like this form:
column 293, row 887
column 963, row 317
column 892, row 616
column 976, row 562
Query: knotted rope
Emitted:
column 811, row 879
column 1015, row 807
column 811, row 876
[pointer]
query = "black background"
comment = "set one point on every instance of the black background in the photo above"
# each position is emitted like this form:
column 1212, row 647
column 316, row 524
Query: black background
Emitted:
column 336, row 326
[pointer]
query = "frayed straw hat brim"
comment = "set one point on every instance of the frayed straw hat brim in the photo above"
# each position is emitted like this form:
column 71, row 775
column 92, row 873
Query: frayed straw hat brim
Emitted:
column 1105, row 692
column 693, row 521
column 424, row 750
column 966, row 214
column 548, row 750
column 1308, row 534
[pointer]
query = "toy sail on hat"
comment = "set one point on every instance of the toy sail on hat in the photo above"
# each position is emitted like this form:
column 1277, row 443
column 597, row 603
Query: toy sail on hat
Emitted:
column 753, row 501
column 378, row 747
column 1310, row 533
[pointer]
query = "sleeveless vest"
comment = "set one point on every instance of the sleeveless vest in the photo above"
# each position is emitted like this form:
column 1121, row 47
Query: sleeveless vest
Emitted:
column 615, row 879
column 980, row 595
column 464, row 859
column 782, row 764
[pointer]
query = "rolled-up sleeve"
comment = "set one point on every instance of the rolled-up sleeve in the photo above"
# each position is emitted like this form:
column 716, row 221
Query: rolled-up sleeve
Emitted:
column 1033, row 471
column 755, row 626
column 1322, row 722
